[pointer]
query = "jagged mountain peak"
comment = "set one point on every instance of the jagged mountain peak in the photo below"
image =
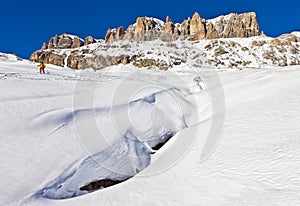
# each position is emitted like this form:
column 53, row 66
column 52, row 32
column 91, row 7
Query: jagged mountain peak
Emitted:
column 195, row 28
column 67, row 41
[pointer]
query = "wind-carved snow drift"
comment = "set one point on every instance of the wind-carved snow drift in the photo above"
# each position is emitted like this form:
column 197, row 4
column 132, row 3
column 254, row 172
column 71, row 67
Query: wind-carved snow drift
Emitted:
column 153, row 120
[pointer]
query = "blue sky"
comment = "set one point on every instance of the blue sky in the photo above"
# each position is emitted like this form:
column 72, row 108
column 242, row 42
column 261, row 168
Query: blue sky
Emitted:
column 25, row 25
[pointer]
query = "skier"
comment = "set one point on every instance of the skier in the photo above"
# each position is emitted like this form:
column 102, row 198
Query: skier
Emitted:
column 42, row 67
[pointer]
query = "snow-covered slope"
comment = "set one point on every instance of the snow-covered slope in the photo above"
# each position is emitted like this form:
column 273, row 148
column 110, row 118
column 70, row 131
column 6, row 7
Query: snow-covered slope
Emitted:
column 8, row 57
column 296, row 33
column 65, row 129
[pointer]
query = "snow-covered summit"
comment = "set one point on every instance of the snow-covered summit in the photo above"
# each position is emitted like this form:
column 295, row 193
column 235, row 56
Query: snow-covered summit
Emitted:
column 9, row 57
column 296, row 33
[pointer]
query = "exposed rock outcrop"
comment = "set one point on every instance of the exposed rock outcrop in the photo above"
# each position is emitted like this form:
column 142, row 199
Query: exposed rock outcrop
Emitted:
column 48, row 57
column 114, row 34
column 44, row 46
column 89, row 40
column 195, row 28
column 146, row 29
column 169, row 32
column 76, row 43
column 284, row 39
column 233, row 26
column 169, row 26
column 64, row 41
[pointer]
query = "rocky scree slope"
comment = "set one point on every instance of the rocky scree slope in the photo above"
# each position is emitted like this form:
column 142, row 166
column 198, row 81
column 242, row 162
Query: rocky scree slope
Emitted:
column 233, row 41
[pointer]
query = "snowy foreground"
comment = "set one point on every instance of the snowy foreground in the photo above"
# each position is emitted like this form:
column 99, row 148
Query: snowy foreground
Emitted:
column 66, row 129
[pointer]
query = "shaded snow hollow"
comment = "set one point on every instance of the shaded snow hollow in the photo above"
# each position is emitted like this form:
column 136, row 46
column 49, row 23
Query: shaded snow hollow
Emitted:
column 130, row 151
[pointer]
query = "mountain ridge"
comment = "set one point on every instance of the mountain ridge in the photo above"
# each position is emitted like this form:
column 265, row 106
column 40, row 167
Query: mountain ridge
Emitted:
column 233, row 40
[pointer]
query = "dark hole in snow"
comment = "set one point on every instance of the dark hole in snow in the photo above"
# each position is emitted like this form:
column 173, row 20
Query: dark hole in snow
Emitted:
column 100, row 184
column 104, row 183
column 161, row 144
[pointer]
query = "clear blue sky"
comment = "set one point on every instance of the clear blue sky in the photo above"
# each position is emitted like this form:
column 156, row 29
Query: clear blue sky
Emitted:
column 25, row 25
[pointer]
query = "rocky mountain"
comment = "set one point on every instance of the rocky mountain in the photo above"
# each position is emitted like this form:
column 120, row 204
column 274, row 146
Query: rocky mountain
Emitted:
column 233, row 40
column 195, row 28
column 66, row 41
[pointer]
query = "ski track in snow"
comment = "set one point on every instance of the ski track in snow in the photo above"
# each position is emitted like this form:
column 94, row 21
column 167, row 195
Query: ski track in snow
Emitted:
column 257, row 161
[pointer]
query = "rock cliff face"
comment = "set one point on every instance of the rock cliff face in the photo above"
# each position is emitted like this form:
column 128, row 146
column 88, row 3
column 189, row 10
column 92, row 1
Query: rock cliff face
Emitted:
column 151, row 43
column 67, row 41
column 195, row 28
column 232, row 26
column 89, row 40
column 48, row 57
